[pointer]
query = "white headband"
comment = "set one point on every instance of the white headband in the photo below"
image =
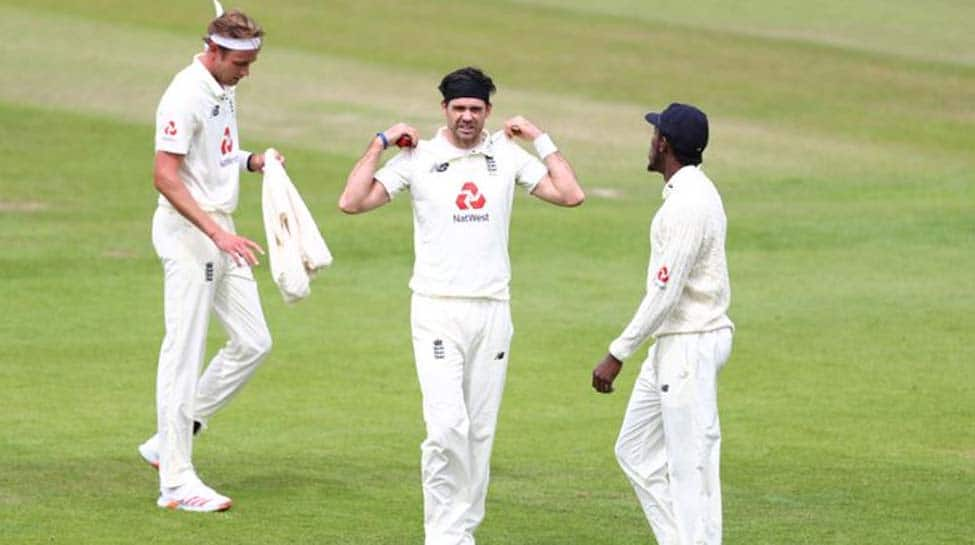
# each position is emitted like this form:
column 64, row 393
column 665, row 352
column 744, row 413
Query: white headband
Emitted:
column 236, row 44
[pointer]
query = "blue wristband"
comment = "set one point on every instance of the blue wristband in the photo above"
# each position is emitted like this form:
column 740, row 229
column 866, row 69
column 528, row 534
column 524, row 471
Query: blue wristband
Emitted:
column 384, row 139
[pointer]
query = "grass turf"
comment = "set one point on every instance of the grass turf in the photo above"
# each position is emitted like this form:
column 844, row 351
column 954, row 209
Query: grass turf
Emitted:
column 842, row 160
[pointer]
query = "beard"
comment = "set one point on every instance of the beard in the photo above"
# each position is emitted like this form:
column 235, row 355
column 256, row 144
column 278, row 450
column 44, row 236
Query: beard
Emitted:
column 654, row 162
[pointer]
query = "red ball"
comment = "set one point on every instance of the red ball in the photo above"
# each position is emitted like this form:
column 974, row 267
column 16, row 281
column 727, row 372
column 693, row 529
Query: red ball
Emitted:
column 404, row 141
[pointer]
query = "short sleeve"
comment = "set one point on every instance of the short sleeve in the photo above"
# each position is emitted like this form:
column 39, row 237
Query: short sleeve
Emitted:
column 528, row 169
column 175, row 124
column 397, row 173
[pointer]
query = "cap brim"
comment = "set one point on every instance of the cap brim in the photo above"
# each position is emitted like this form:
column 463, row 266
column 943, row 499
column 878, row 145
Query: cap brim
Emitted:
column 653, row 119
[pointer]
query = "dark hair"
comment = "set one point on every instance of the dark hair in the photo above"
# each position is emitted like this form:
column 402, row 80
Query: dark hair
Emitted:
column 467, row 82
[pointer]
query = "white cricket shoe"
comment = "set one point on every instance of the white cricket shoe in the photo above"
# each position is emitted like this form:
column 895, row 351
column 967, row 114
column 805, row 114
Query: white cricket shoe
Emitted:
column 150, row 451
column 194, row 496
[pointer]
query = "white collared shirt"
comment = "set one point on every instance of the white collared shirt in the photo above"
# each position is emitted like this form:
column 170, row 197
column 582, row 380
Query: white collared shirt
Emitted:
column 688, row 290
column 461, row 211
column 197, row 118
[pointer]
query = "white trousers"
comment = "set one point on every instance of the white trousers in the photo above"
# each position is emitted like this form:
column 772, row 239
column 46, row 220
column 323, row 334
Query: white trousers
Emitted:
column 200, row 280
column 670, row 442
column 461, row 350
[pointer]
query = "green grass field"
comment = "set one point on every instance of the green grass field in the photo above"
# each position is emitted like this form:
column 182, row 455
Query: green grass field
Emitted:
column 842, row 138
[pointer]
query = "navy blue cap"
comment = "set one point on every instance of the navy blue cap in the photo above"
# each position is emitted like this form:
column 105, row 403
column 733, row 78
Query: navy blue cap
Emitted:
column 685, row 127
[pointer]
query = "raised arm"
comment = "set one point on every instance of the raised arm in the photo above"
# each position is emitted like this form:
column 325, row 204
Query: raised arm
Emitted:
column 362, row 191
column 559, row 186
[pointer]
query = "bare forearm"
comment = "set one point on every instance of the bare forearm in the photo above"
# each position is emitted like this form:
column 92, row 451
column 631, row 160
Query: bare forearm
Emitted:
column 167, row 181
column 359, row 183
column 564, row 179
column 559, row 186
column 176, row 193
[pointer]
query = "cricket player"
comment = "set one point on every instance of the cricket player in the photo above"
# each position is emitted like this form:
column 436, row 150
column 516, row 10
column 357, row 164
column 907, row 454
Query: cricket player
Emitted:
column 462, row 182
column 206, row 264
column 670, row 440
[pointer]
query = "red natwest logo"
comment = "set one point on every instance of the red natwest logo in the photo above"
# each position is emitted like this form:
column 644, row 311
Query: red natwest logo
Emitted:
column 170, row 129
column 663, row 275
column 227, row 145
column 470, row 197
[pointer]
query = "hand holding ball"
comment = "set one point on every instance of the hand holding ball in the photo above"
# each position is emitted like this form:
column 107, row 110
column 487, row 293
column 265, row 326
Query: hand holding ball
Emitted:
column 404, row 141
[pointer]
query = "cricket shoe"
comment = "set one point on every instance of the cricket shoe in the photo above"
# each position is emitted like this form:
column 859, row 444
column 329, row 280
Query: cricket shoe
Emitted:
column 194, row 496
column 150, row 451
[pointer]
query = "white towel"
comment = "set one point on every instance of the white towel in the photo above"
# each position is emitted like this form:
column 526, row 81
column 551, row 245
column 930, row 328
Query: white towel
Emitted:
column 295, row 247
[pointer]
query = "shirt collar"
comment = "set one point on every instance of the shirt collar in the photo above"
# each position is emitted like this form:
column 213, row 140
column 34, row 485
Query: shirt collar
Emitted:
column 213, row 86
column 685, row 173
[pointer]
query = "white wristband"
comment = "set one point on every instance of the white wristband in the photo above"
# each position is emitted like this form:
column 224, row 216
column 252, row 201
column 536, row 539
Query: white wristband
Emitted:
column 544, row 146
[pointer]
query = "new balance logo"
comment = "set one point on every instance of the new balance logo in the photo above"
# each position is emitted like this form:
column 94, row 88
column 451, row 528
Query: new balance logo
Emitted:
column 438, row 350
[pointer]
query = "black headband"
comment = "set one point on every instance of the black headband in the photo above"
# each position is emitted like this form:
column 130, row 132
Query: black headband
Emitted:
column 466, row 88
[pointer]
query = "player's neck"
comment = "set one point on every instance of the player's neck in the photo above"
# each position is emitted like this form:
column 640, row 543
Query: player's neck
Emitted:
column 671, row 166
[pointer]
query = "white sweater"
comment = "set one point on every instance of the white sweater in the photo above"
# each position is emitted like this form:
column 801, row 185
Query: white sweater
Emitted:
column 687, row 280
column 295, row 247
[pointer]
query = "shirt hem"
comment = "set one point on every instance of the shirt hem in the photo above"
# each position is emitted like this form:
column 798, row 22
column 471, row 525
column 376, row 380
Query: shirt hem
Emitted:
column 730, row 326
column 440, row 295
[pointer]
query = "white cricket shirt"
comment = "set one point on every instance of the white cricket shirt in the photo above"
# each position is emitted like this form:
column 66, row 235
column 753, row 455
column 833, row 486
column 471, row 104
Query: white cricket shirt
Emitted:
column 197, row 118
column 461, row 211
column 688, row 290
